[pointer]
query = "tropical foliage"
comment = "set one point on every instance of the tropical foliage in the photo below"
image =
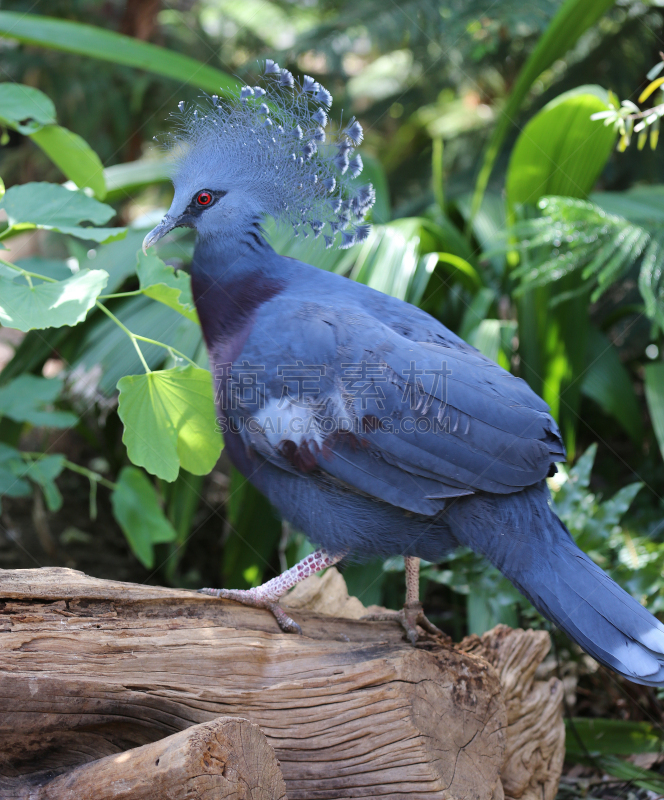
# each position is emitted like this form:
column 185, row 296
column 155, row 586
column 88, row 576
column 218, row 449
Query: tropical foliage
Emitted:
column 509, row 206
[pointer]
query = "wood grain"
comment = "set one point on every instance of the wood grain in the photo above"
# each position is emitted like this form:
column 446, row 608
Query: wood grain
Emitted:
column 226, row 759
column 92, row 668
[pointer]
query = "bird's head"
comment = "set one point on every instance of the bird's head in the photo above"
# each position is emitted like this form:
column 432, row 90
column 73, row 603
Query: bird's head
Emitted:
column 265, row 152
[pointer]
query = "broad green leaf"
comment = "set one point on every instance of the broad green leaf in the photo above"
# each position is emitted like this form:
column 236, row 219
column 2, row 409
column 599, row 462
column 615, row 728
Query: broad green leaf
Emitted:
column 137, row 510
column 123, row 178
column 106, row 45
column 27, row 398
column 160, row 282
column 51, row 206
column 50, row 305
column 572, row 20
column 561, row 151
column 609, row 384
column 43, row 472
column 654, row 385
column 170, row 421
column 25, row 109
column 74, row 156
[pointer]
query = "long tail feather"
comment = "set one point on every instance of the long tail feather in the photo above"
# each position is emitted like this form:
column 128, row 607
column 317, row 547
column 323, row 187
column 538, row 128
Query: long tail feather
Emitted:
column 534, row 549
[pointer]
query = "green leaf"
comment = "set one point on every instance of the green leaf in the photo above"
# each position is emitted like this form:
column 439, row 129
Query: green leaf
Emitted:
column 48, row 205
column 389, row 259
column 654, row 386
column 43, row 472
column 170, row 421
column 32, row 113
column 605, row 739
column 572, row 20
column 74, row 156
column 123, row 178
column 160, row 282
column 561, row 151
column 609, row 384
column 11, row 466
column 106, row 45
column 50, row 305
column 25, row 109
column 459, row 268
column 137, row 510
column 26, row 399
column 52, row 207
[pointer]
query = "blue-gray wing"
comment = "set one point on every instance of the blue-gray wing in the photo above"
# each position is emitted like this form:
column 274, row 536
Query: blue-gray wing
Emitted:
column 342, row 395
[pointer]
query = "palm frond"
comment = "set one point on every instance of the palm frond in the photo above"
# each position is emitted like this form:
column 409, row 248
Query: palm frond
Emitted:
column 578, row 235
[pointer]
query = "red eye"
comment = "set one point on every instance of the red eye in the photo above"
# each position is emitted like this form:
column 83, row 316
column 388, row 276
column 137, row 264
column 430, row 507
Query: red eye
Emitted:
column 204, row 198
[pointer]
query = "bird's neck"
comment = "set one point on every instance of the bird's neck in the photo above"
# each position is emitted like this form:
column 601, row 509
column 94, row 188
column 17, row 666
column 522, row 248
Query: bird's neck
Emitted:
column 230, row 281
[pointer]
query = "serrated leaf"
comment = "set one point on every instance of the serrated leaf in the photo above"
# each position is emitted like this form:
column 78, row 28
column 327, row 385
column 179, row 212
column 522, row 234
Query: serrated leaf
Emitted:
column 24, row 108
column 139, row 514
column 170, row 421
column 74, row 156
column 25, row 399
column 160, row 282
column 50, row 305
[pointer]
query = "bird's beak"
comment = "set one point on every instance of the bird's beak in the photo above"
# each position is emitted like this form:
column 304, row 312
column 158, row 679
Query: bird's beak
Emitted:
column 167, row 224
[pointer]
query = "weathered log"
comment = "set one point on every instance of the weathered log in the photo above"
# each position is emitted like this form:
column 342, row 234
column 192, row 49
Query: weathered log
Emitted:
column 535, row 733
column 535, row 740
column 226, row 759
column 89, row 668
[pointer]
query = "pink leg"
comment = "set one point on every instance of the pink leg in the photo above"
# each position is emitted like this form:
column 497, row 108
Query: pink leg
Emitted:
column 267, row 595
column 411, row 615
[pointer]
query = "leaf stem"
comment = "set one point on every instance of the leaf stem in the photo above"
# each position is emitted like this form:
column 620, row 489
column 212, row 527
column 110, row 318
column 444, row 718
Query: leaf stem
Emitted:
column 27, row 274
column 92, row 476
column 133, row 337
column 170, row 349
column 119, row 294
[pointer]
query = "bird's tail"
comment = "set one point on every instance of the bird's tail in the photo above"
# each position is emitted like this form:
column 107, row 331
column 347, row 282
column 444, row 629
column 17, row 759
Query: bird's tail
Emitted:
column 522, row 536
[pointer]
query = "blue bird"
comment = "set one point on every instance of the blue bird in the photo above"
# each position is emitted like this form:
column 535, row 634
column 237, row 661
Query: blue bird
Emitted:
column 367, row 424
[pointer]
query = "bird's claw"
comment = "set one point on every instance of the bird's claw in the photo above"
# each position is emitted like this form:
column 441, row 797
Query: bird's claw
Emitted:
column 409, row 617
column 251, row 598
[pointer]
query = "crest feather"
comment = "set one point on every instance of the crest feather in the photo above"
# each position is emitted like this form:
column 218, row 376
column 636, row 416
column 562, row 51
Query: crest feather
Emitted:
column 271, row 140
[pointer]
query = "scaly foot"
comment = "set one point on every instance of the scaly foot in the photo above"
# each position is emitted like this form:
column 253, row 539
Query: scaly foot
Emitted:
column 250, row 597
column 410, row 616
column 268, row 594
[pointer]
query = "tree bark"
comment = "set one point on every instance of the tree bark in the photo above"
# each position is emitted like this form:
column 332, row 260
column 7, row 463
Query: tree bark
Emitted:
column 90, row 668
column 226, row 759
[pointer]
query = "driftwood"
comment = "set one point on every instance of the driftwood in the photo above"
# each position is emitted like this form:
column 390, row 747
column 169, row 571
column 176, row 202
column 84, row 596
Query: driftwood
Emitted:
column 225, row 759
column 92, row 668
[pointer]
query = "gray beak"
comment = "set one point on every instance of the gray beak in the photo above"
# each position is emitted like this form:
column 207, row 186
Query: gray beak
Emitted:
column 167, row 224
